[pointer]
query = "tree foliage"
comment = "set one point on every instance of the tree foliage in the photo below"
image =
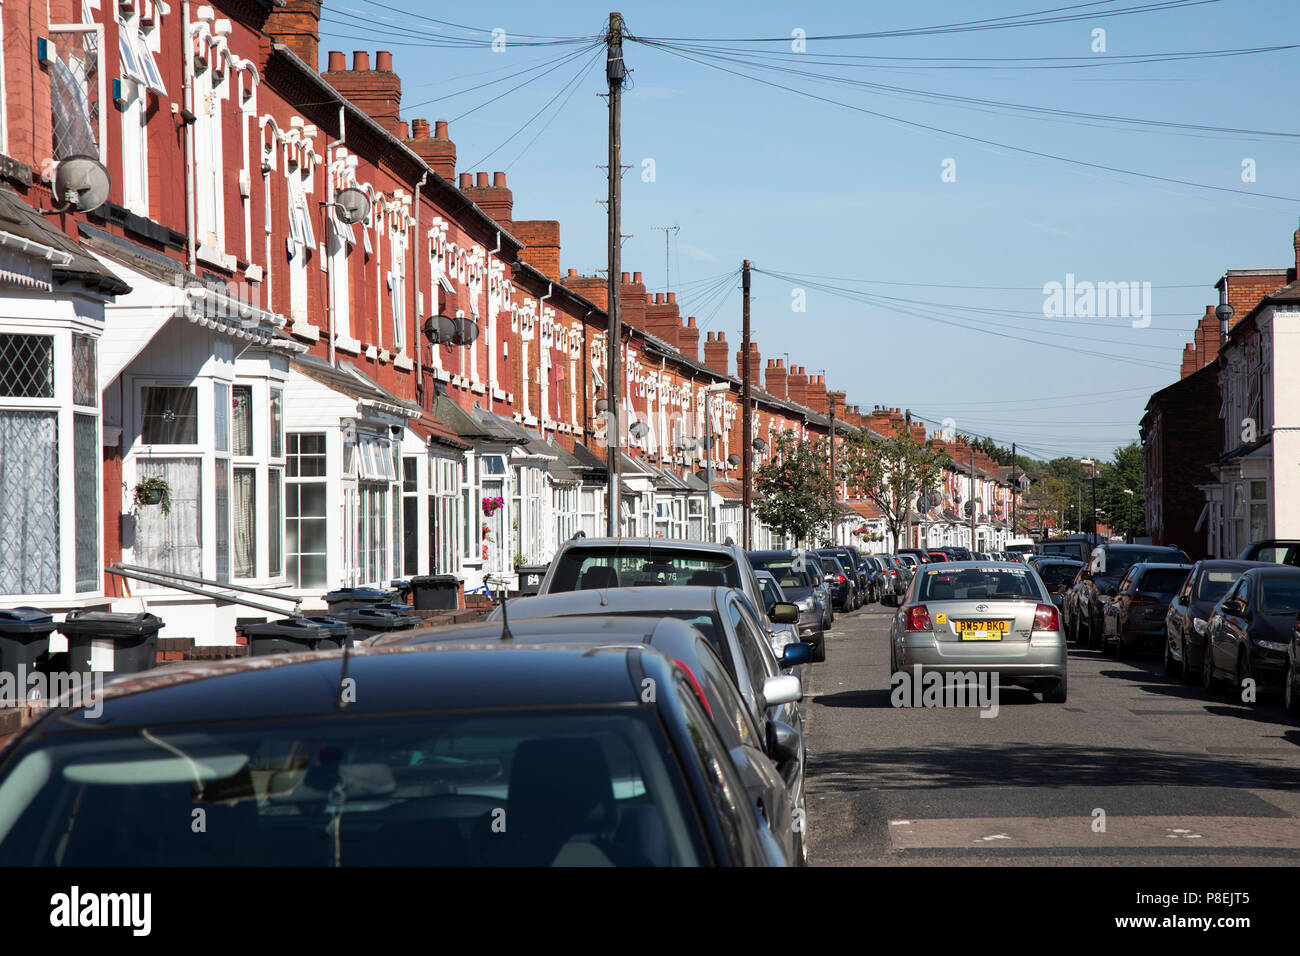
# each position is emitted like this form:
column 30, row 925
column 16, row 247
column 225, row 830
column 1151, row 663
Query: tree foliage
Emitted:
column 892, row 474
column 1125, row 514
column 793, row 494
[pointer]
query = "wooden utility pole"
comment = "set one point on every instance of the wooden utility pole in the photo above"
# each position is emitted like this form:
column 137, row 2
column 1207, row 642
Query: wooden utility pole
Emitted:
column 746, row 436
column 835, row 485
column 1015, row 489
column 972, row 498
column 615, row 74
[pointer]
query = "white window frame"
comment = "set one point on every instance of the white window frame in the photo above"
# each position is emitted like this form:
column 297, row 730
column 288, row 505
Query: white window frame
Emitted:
column 209, row 168
column 101, row 84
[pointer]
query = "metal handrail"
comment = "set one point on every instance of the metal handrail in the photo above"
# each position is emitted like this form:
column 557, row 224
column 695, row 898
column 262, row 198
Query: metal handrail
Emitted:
column 161, row 578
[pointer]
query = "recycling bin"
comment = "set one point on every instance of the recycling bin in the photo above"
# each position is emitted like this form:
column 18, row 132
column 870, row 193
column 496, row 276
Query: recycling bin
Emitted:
column 132, row 638
column 338, row 631
column 349, row 599
column 292, row 635
column 369, row 621
column 530, row 578
column 25, row 640
column 431, row 592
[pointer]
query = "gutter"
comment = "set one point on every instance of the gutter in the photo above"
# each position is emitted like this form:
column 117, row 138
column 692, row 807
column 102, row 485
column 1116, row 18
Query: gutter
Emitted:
column 33, row 248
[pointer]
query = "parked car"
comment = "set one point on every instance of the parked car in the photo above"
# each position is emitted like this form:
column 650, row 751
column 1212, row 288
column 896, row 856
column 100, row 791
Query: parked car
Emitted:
column 982, row 556
column 1077, row 546
column 873, row 569
column 1251, row 630
column 1135, row 618
column 896, row 581
column 1273, row 551
column 937, row 555
column 439, row 744
column 1099, row 581
column 841, row 582
column 778, row 634
column 799, row 589
column 986, row 618
column 821, row 586
column 920, row 554
column 1057, row 575
column 1187, row 622
column 849, row 563
column 956, row 553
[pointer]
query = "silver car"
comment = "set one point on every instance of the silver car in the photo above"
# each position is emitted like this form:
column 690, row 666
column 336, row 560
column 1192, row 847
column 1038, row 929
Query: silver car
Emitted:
column 983, row 617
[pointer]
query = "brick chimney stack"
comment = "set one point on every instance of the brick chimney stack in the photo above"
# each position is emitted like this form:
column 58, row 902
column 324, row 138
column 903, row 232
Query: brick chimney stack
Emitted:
column 797, row 384
column 688, row 339
column 496, row 199
column 438, row 151
column 297, row 26
column 541, row 239
column 377, row 92
column 592, row 288
column 774, row 378
column 662, row 318
column 815, row 395
column 715, row 353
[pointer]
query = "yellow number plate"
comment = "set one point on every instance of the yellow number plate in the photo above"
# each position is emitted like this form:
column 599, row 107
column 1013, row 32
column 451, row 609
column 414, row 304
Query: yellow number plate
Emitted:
column 982, row 630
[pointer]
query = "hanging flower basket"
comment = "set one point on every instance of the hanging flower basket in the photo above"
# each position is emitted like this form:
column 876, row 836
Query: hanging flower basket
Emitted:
column 492, row 505
column 153, row 491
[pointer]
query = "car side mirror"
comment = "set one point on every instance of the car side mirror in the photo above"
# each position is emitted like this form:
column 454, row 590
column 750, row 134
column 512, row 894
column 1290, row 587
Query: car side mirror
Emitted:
column 783, row 613
column 782, row 742
column 783, row 689
column 1112, row 591
column 796, row 653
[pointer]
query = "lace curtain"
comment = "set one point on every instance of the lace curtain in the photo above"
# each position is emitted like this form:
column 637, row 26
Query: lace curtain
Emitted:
column 171, row 542
column 29, row 503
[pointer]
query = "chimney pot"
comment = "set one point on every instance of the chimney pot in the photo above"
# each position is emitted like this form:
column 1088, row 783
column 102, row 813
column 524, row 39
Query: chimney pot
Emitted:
column 573, row 272
column 384, row 61
column 625, row 276
column 636, row 277
column 690, row 321
column 649, row 299
column 403, row 132
column 337, row 62
column 360, row 60
column 420, row 128
column 659, row 298
column 499, row 179
column 440, row 129
column 672, row 296
column 466, row 180
column 481, row 180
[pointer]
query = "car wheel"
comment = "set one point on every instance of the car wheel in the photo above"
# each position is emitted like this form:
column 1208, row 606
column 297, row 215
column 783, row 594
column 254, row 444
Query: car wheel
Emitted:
column 1189, row 673
column 1245, row 672
column 800, row 850
column 1209, row 682
column 1171, row 665
column 1290, row 698
column 1122, row 651
column 1056, row 694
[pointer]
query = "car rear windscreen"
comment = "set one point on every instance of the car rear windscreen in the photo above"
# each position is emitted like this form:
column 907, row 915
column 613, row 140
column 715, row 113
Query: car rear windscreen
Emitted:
column 596, row 784
column 1162, row 580
column 783, row 570
column 1056, row 576
column 978, row 584
column 582, row 569
column 1279, row 595
column 1214, row 584
column 1118, row 562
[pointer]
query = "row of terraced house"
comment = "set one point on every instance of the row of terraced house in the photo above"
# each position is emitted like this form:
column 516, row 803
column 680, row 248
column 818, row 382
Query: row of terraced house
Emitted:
column 237, row 322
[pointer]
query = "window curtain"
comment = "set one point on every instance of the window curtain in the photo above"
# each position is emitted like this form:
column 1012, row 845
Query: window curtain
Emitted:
column 29, row 503
column 170, row 416
column 86, row 488
column 171, row 542
column 244, row 520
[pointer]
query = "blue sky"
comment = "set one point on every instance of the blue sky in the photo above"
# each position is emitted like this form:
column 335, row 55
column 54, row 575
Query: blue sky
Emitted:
column 806, row 188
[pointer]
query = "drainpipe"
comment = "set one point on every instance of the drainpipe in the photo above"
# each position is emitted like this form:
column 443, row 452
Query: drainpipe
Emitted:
column 419, row 366
column 187, row 81
column 332, row 232
column 541, row 367
column 492, row 323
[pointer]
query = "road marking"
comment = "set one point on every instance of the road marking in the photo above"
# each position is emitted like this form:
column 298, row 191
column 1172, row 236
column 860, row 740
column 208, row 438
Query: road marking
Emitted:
column 1121, row 831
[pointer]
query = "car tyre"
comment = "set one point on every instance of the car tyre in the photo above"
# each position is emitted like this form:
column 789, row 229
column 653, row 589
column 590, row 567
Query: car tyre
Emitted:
column 1189, row 673
column 1290, row 696
column 1209, row 683
column 1057, row 693
column 1171, row 666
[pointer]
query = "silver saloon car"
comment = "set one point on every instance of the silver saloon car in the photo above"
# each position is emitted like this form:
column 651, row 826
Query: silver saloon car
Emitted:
column 984, row 617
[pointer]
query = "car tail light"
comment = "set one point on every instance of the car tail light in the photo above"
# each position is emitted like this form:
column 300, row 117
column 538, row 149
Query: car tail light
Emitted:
column 918, row 618
column 1045, row 618
column 699, row 691
column 1140, row 600
column 840, row 578
column 892, row 571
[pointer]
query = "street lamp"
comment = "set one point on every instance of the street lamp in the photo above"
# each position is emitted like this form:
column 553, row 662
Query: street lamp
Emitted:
column 1128, row 514
column 1092, row 468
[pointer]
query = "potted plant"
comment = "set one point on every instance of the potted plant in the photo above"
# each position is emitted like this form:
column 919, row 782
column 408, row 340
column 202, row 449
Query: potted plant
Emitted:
column 520, row 559
column 153, row 491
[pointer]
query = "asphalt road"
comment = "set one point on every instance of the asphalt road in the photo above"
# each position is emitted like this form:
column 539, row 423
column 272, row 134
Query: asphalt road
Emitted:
column 1182, row 778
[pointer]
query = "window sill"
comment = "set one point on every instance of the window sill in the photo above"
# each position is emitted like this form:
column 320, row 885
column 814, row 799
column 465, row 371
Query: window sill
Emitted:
column 215, row 257
column 477, row 388
column 401, row 361
column 303, row 329
column 346, row 344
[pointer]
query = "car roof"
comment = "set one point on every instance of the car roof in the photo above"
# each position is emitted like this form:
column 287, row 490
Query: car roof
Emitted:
column 1228, row 564
column 619, row 601
column 1268, row 569
column 1139, row 547
column 652, row 544
column 1163, row 565
column 1053, row 559
column 389, row 679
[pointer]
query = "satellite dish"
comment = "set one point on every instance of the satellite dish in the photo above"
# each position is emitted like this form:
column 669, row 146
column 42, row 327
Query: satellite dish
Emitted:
column 465, row 333
column 81, row 183
column 923, row 503
column 969, row 507
column 638, row 430
column 439, row 329
column 733, row 460
column 351, row 206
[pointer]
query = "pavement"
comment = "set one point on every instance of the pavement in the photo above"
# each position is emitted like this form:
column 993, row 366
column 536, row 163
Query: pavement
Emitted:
column 1133, row 770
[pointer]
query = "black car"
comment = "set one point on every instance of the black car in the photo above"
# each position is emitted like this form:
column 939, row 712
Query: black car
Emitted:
column 1135, row 618
column 921, row 555
column 1098, row 583
column 849, row 561
column 443, row 756
column 1057, row 574
column 841, row 583
column 1187, row 622
column 1272, row 551
column 1251, row 630
column 798, row 585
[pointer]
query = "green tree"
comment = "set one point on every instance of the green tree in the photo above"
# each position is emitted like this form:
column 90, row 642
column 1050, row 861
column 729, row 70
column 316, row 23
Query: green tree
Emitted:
column 1127, row 513
column 892, row 473
column 793, row 491
column 1053, row 499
